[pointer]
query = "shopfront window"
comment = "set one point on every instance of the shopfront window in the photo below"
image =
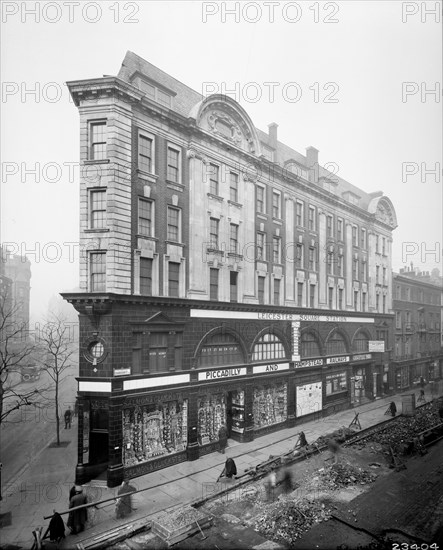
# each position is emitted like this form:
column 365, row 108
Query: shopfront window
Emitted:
column 309, row 345
column 270, row 405
column 269, row 346
column 336, row 383
column 154, row 430
column 219, row 350
column 211, row 416
column 402, row 377
column 335, row 344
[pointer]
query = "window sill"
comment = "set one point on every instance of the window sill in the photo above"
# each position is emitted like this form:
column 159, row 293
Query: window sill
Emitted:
column 147, row 175
column 97, row 230
column 215, row 197
column 237, row 204
column 210, row 250
column 146, row 237
column 92, row 161
column 175, row 243
column 262, row 216
column 278, row 221
column 175, row 185
column 235, row 255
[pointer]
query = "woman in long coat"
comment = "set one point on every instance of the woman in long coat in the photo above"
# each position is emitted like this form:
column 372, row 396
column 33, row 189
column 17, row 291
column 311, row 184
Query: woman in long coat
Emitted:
column 77, row 518
column 124, row 500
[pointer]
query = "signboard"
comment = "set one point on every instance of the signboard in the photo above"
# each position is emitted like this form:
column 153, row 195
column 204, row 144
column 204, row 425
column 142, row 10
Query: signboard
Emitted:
column 362, row 357
column 276, row 316
column 221, row 373
column 270, row 368
column 122, row 372
column 295, row 340
column 308, row 398
column 334, row 360
column 377, row 346
column 309, row 363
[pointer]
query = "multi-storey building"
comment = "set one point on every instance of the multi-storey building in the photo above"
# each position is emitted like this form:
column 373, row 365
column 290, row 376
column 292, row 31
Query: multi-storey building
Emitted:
column 17, row 269
column 226, row 279
column 418, row 351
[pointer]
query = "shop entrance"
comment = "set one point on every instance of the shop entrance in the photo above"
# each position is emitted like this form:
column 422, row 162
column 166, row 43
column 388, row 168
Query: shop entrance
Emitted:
column 364, row 383
column 235, row 417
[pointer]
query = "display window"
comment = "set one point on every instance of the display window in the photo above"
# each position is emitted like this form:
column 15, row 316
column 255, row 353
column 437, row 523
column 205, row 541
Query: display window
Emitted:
column 238, row 411
column 402, row 377
column 154, row 430
column 270, row 405
column 211, row 416
column 336, row 383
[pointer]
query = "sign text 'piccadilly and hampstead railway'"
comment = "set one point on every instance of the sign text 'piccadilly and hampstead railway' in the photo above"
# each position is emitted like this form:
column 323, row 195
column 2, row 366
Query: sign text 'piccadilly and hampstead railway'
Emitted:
column 276, row 316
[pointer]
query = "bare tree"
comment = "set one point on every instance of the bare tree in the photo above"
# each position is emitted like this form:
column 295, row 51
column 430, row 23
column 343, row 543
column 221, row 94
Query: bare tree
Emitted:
column 17, row 350
column 55, row 342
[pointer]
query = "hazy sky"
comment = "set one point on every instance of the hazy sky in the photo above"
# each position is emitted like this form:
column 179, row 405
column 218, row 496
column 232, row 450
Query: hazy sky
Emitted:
column 360, row 81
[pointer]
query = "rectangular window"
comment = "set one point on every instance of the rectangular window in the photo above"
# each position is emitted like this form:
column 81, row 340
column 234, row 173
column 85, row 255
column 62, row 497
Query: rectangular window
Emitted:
column 276, row 292
column 383, row 246
column 98, row 209
column 384, row 275
column 213, row 233
column 145, row 220
column 158, row 352
column 330, row 260
column 260, row 199
column 174, row 279
column 363, row 238
column 276, row 250
column 377, row 274
column 340, row 265
column 98, row 271
column 276, row 199
column 213, row 284
column 145, row 153
column 311, row 219
column 214, row 179
column 233, row 186
column 377, row 244
column 364, row 271
column 173, row 165
column 233, row 238
column 355, row 300
column 146, row 276
column 173, row 229
column 355, row 271
column 311, row 259
column 377, row 302
column 311, row 295
column 261, row 290
column 336, row 383
column 339, row 229
column 97, row 143
column 330, row 297
column 354, row 235
column 384, row 303
column 340, row 298
column 233, row 276
column 300, row 254
column 299, row 213
column 260, row 252
column 363, row 301
column 300, row 294
column 163, row 98
column 329, row 228
column 398, row 319
column 136, row 353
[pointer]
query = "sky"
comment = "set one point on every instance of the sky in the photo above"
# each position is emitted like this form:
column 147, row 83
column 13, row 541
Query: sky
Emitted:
column 360, row 81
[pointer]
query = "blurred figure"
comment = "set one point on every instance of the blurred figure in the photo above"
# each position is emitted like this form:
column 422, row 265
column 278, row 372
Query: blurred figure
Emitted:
column 287, row 481
column 334, row 448
column 270, row 485
column 230, row 467
column 124, row 501
column 77, row 518
column 393, row 408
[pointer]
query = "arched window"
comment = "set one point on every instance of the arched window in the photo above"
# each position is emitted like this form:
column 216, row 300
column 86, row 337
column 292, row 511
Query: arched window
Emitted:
column 361, row 342
column 336, row 344
column 219, row 350
column 269, row 346
column 309, row 345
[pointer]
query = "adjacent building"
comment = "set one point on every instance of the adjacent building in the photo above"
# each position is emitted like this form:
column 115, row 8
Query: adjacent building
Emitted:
column 226, row 279
column 418, row 307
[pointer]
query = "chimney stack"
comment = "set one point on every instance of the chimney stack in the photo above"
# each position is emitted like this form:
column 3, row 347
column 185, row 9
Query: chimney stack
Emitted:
column 273, row 134
column 311, row 163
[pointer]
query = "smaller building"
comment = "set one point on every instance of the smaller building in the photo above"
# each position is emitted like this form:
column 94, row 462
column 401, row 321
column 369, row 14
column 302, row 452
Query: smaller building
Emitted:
column 418, row 353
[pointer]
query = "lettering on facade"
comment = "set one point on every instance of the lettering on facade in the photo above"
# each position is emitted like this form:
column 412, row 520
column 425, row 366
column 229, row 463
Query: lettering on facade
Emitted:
column 275, row 316
column 270, row 368
column 153, row 465
column 154, row 398
column 362, row 357
column 309, row 363
column 333, row 360
column 221, row 373
column 295, row 340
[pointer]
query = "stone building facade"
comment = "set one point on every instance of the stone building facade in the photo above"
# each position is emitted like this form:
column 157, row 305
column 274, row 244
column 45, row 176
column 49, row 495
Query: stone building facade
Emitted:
column 226, row 279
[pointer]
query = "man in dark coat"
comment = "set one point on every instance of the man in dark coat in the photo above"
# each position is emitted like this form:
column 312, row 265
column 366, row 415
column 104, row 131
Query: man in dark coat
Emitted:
column 77, row 518
column 56, row 528
column 68, row 417
column 124, row 502
column 230, row 467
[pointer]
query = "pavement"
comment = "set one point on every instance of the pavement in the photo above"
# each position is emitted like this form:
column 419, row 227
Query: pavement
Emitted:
column 44, row 488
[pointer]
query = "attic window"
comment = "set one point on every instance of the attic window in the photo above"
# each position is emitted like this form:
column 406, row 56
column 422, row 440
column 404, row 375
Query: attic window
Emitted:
column 153, row 92
column 268, row 153
column 351, row 197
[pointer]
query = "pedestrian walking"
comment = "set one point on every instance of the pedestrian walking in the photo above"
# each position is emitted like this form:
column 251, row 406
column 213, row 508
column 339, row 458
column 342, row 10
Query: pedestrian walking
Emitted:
column 56, row 529
column 231, row 468
column 123, row 505
column 223, row 438
column 287, row 481
column 77, row 518
column 68, row 418
column 392, row 408
column 270, row 485
column 334, row 448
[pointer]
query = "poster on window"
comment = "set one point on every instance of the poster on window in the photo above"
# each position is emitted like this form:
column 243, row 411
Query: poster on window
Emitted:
column 308, row 398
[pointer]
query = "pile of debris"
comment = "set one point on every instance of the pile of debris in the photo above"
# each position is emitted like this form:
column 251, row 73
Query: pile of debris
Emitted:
column 286, row 520
column 342, row 475
column 340, row 436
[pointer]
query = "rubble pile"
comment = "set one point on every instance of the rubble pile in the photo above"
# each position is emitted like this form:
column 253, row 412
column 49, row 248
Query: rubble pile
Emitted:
column 338, row 435
column 286, row 520
column 342, row 475
column 398, row 434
